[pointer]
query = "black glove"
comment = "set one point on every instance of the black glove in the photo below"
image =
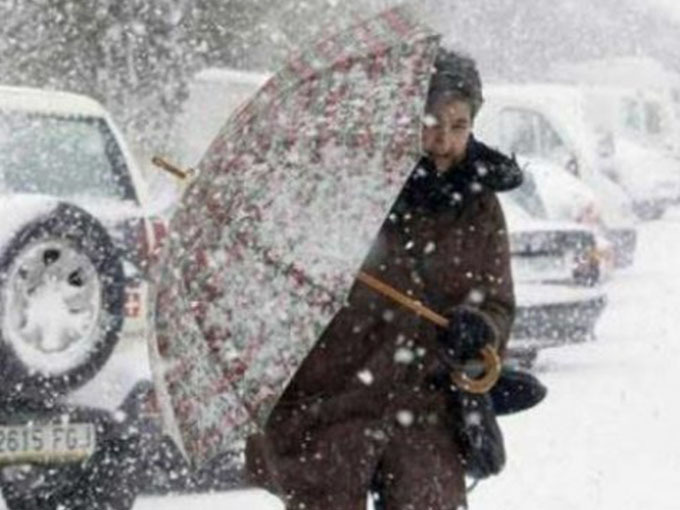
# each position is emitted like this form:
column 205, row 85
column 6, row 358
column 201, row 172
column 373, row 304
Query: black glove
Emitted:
column 467, row 334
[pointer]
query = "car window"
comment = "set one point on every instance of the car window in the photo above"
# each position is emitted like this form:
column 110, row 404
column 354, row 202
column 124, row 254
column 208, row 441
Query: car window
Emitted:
column 653, row 118
column 631, row 115
column 551, row 142
column 675, row 96
column 527, row 197
column 518, row 134
column 61, row 156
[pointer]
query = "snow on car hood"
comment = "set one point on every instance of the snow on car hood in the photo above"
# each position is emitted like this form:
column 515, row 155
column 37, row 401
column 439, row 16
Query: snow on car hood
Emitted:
column 17, row 211
column 519, row 221
column 109, row 210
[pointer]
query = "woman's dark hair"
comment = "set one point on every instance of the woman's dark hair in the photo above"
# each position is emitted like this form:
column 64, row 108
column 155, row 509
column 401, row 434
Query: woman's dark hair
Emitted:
column 455, row 78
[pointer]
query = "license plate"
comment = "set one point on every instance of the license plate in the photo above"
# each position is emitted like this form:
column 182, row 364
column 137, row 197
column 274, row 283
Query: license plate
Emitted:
column 46, row 443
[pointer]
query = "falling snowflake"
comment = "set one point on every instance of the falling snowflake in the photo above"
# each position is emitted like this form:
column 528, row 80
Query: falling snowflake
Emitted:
column 404, row 355
column 405, row 418
column 366, row 377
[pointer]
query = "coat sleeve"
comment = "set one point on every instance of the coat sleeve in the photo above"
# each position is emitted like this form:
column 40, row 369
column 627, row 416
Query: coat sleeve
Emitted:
column 498, row 304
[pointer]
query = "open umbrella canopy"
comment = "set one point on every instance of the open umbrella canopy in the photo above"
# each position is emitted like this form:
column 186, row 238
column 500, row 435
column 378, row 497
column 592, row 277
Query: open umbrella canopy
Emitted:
column 268, row 239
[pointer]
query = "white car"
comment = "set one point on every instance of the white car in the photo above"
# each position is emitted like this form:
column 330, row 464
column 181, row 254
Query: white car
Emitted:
column 639, row 95
column 644, row 137
column 635, row 164
column 557, row 280
column 75, row 245
column 565, row 199
column 546, row 124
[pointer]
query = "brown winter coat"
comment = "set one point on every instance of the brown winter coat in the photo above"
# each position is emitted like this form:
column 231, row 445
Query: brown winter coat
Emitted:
column 365, row 403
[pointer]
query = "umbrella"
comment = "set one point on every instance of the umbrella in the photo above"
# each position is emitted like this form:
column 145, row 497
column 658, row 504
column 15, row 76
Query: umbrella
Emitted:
column 270, row 234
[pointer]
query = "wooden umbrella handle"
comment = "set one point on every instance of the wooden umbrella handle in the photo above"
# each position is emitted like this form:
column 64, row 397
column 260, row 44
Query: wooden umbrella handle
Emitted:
column 490, row 358
column 172, row 169
column 395, row 295
column 492, row 371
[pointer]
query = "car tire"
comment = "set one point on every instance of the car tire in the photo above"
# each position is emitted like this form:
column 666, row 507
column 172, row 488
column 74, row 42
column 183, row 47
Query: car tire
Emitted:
column 64, row 261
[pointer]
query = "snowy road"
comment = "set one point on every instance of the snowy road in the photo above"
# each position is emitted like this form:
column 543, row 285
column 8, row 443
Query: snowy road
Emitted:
column 606, row 437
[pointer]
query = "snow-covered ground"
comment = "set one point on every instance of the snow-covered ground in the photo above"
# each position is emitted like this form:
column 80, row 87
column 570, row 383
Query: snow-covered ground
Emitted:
column 606, row 438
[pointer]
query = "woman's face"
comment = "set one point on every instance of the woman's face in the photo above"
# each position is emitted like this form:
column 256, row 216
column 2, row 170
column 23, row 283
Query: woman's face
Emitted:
column 446, row 132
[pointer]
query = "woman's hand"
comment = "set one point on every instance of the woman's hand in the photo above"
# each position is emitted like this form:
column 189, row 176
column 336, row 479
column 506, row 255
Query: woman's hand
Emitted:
column 468, row 333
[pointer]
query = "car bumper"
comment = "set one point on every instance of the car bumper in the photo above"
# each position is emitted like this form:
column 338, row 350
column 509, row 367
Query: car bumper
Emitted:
column 119, row 444
column 553, row 315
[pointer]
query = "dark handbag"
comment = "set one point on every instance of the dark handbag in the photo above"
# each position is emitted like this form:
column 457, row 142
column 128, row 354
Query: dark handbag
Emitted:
column 477, row 430
column 478, row 434
column 516, row 391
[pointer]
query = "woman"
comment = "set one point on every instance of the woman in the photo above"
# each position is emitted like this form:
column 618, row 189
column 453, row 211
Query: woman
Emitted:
column 368, row 408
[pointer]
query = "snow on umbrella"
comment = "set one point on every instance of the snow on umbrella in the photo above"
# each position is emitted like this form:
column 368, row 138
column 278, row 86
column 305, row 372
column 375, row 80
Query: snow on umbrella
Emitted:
column 268, row 238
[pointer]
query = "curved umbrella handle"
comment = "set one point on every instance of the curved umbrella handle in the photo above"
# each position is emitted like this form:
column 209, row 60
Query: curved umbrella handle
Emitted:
column 490, row 358
column 492, row 371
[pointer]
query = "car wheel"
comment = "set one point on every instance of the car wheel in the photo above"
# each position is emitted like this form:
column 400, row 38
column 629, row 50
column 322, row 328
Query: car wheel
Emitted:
column 61, row 303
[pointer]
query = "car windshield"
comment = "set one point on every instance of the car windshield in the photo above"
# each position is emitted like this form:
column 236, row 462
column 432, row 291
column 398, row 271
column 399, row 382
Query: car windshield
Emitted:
column 61, row 156
column 528, row 198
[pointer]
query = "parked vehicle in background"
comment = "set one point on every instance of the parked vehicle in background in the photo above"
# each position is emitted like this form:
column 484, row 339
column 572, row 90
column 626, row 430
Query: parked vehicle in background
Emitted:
column 638, row 99
column 557, row 280
column 75, row 247
column 545, row 125
column 635, row 164
column 214, row 94
column 644, row 141
column 643, row 94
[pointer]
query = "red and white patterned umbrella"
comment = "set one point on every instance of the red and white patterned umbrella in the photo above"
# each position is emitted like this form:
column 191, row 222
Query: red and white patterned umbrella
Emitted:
column 269, row 237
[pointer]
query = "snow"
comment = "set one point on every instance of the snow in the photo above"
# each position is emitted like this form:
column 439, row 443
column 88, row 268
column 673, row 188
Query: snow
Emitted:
column 17, row 211
column 670, row 7
column 127, row 366
column 604, row 438
column 250, row 499
column 38, row 100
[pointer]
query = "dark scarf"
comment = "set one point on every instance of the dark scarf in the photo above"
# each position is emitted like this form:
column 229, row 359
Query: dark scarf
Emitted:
column 431, row 191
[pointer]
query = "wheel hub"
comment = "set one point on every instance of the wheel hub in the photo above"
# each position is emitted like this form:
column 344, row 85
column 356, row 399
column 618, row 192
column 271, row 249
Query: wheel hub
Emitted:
column 52, row 306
